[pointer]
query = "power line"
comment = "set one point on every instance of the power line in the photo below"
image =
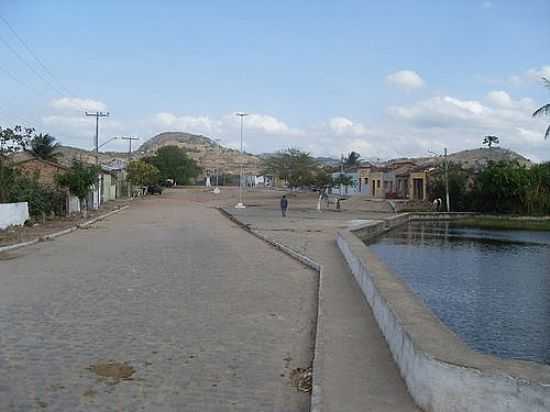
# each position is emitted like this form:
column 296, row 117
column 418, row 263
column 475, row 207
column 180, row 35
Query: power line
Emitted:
column 16, row 53
column 27, row 47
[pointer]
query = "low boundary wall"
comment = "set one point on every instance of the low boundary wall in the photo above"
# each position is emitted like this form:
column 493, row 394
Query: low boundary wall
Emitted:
column 441, row 372
column 13, row 214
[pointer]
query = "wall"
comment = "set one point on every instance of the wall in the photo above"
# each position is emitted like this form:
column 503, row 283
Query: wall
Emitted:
column 73, row 204
column 45, row 171
column 14, row 214
column 441, row 372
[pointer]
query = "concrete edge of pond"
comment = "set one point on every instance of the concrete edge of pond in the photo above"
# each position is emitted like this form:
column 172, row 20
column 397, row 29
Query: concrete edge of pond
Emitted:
column 441, row 372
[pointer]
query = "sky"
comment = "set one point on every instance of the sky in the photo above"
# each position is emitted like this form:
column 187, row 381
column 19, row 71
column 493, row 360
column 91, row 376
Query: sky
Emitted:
column 385, row 79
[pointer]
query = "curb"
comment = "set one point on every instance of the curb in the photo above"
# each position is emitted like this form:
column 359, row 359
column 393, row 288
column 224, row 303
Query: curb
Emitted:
column 52, row 236
column 316, row 398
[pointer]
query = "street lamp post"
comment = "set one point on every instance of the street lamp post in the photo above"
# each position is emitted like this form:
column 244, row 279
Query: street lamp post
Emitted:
column 241, row 205
column 218, row 165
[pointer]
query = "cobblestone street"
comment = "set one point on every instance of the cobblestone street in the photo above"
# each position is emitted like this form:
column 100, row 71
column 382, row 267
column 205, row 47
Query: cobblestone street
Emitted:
column 210, row 317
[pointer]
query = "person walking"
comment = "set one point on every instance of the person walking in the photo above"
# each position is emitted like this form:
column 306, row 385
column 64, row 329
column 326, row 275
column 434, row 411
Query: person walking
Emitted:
column 284, row 205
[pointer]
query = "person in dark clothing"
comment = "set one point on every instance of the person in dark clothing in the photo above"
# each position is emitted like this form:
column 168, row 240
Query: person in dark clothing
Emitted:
column 284, row 205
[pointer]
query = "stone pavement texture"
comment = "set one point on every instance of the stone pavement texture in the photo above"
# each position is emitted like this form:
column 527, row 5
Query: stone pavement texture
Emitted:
column 210, row 317
column 357, row 371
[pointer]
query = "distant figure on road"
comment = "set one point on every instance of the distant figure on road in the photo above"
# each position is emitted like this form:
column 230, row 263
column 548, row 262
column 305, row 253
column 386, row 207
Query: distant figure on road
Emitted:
column 284, row 205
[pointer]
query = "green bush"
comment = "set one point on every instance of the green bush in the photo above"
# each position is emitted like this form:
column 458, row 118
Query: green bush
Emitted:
column 41, row 199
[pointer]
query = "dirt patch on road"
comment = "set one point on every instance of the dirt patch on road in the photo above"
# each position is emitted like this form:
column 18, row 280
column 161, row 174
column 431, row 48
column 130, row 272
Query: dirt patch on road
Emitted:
column 301, row 378
column 112, row 369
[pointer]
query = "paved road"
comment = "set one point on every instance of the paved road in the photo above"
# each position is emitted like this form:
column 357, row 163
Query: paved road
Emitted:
column 211, row 318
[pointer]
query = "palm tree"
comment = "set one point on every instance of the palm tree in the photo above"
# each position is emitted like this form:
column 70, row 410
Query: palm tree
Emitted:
column 44, row 146
column 490, row 141
column 545, row 109
column 352, row 159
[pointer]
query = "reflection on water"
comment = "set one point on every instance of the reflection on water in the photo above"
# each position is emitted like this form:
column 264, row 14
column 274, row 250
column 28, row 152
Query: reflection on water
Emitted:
column 490, row 287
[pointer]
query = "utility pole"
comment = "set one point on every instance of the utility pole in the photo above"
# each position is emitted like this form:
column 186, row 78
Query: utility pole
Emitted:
column 447, row 181
column 341, row 173
column 130, row 139
column 97, row 115
column 240, row 205
column 218, row 166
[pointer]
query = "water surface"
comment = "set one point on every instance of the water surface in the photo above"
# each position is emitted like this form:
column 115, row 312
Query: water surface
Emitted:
column 491, row 287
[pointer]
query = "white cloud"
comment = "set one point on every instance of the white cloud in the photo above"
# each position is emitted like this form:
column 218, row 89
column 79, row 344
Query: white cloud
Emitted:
column 538, row 73
column 266, row 123
column 191, row 124
column 439, row 111
column 344, row 126
column 500, row 98
column 261, row 124
column 407, row 130
column 77, row 104
column 534, row 74
column 79, row 130
column 459, row 124
column 405, row 79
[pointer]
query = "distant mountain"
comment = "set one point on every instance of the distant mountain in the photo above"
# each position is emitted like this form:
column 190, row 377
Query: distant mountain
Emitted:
column 175, row 139
column 477, row 158
column 205, row 151
column 68, row 153
column 328, row 161
column 211, row 156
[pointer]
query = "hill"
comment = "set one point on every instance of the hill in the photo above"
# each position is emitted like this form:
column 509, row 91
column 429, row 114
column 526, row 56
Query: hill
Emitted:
column 205, row 151
column 473, row 158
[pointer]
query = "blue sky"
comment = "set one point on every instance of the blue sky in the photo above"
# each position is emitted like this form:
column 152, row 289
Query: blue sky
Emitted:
column 383, row 78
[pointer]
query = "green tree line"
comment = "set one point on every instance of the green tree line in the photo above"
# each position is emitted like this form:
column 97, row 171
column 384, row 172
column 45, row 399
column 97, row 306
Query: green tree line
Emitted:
column 499, row 187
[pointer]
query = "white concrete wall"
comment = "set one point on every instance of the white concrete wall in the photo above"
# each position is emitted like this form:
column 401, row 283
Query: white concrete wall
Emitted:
column 13, row 214
column 441, row 372
column 73, row 204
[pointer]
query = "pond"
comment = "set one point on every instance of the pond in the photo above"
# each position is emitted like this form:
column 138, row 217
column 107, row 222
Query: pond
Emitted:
column 491, row 287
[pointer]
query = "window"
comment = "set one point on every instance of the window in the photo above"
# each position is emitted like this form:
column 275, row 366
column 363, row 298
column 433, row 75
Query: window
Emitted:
column 378, row 183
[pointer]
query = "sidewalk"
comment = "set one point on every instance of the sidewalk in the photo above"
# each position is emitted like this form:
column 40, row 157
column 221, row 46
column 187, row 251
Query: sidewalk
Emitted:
column 354, row 364
column 21, row 234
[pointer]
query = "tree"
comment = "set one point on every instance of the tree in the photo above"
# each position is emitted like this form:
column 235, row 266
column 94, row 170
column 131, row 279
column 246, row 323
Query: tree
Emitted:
column 141, row 173
column 458, row 187
column 501, row 187
column 44, row 146
column 544, row 110
column 42, row 200
column 14, row 140
column 537, row 193
column 490, row 141
column 343, row 180
column 173, row 163
column 11, row 141
column 352, row 159
column 323, row 180
column 78, row 179
column 296, row 167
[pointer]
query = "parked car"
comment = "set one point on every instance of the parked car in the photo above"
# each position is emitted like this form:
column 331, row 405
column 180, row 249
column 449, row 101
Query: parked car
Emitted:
column 154, row 190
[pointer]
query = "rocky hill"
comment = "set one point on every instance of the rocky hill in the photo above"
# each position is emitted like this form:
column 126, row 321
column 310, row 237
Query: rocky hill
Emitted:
column 68, row 153
column 474, row 158
column 206, row 152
